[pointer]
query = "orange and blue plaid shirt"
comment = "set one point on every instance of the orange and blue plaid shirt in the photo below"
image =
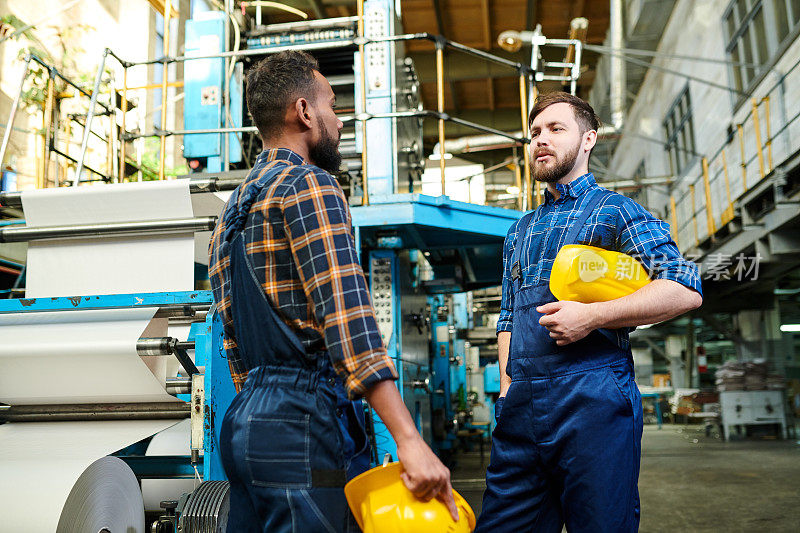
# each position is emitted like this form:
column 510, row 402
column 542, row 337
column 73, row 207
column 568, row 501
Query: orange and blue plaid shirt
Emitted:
column 299, row 238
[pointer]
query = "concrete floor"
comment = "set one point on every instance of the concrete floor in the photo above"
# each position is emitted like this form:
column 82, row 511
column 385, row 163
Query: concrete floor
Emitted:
column 690, row 482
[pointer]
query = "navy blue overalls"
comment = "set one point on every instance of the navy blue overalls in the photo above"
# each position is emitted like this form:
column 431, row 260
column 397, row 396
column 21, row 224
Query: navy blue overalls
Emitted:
column 567, row 444
column 290, row 439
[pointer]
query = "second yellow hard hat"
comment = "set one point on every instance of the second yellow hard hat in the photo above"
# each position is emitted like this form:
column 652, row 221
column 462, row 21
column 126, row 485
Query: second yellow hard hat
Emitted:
column 381, row 503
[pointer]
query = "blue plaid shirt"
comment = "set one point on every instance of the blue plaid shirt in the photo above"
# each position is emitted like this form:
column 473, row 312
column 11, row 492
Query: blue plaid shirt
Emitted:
column 618, row 223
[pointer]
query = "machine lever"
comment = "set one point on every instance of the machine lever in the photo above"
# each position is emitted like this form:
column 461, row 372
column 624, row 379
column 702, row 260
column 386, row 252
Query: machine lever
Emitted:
column 185, row 361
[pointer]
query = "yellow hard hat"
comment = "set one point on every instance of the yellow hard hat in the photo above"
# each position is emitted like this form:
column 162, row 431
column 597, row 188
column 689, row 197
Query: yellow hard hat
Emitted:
column 381, row 503
column 589, row 274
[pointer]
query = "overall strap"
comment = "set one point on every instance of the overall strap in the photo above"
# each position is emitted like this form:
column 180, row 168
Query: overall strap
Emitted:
column 522, row 227
column 238, row 208
column 595, row 197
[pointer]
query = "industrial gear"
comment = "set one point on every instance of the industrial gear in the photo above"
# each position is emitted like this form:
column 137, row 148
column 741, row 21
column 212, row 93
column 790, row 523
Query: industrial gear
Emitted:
column 381, row 503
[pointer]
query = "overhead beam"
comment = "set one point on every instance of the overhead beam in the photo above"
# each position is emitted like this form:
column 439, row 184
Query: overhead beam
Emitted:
column 531, row 12
column 463, row 66
column 487, row 25
column 506, row 119
column 577, row 9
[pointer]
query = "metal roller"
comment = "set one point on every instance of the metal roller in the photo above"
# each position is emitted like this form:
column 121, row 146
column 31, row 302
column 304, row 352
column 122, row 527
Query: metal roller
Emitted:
column 183, row 225
column 206, row 509
column 168, row 346
column 179, row 385
column 197, row 185
column 161, row 345
column 95, row 411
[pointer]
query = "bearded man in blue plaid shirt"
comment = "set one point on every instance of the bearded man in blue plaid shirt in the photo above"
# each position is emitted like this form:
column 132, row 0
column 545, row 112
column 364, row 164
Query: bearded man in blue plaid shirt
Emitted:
column 567, row 444
column 300, row 333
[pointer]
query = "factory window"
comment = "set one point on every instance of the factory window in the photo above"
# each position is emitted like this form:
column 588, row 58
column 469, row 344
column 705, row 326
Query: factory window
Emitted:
column 755, row 30
column 679, row 133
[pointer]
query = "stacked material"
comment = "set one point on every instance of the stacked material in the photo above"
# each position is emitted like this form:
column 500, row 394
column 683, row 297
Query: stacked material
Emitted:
column 755, row 377
column 730, row 376
column 747, row 375
column 775, row 382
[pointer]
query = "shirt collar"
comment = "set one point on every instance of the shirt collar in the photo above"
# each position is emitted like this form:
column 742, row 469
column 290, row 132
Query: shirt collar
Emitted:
column 574, row 189
column 280, row 154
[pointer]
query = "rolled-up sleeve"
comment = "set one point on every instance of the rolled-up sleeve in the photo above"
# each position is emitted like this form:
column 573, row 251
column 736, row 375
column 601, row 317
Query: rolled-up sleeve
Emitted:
column 504, row 323
column 648, row 239
column 321, row 239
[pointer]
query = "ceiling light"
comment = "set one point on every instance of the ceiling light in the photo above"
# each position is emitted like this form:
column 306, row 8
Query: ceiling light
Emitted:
column 790, row 328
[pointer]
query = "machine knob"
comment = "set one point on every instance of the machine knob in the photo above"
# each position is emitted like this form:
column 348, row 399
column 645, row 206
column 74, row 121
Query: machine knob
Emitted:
column 422, row 384
column 169, row 506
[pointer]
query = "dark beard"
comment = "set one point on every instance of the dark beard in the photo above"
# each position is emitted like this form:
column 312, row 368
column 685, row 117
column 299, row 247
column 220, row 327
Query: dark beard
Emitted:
column 557, row 171
column 325, row 154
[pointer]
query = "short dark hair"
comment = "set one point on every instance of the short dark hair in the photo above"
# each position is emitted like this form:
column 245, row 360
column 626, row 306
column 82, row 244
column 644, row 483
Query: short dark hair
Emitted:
column 585, row 116
column 274, row 83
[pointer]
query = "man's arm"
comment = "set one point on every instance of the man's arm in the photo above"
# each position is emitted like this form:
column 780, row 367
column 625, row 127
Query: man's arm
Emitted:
column 503, row 343
column 659, row 300
column 504, row 322
column 424, row 474
column 675, row 290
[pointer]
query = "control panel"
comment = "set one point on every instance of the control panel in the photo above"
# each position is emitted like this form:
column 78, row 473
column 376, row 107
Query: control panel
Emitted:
column 377, row 55
column 381, row 274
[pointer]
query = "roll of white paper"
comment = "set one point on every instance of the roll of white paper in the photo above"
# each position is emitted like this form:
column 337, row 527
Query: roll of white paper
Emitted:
column 109, row 265
column 83, row 356
column 105, row 497
column 42, row 463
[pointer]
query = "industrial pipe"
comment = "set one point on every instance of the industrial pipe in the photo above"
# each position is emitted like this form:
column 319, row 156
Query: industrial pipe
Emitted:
column 13, row 199
column 617, row 67
column 89, row 117
column 13, row 114
column 95, row 412
column 184, row 225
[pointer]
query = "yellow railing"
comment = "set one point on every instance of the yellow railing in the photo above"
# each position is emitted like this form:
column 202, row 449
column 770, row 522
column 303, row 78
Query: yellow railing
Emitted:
column 751, row 142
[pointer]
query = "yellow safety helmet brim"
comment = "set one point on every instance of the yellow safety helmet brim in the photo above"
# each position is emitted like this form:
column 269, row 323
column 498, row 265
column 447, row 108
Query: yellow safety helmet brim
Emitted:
column 380, row 502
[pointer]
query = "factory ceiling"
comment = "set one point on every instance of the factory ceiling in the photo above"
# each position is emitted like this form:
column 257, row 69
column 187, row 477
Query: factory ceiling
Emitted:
column 476, row 90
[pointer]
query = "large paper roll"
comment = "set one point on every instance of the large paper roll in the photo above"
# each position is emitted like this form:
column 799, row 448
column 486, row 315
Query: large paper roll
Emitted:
column 105, row 497
column 41, row 463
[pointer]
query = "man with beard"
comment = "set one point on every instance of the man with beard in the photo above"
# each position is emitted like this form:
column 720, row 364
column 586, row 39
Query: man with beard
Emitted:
column 299, row 329
column 566, row 447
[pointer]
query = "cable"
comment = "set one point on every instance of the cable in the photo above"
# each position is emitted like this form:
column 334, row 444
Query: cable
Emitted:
column 650, row 53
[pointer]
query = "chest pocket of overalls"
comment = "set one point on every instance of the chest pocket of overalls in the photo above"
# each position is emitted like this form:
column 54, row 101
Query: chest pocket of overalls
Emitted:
column 532, row 338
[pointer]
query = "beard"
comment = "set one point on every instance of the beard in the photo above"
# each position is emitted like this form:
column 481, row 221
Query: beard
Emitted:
column 325, row 154
column 558, row 169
